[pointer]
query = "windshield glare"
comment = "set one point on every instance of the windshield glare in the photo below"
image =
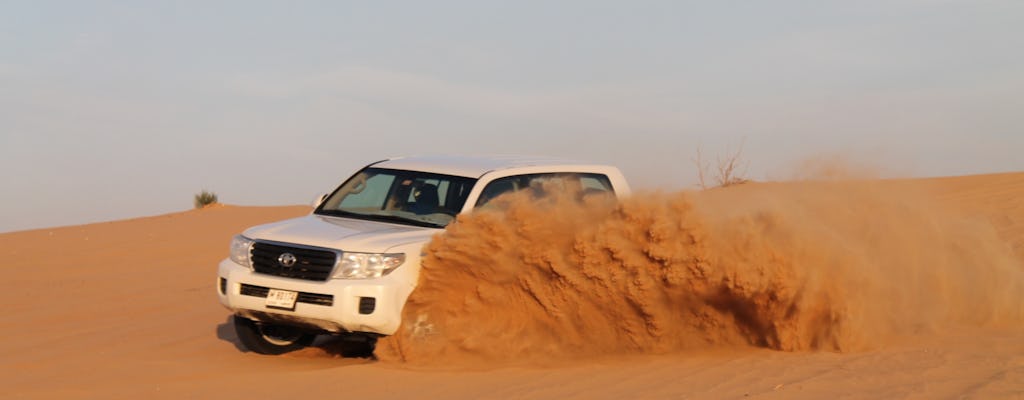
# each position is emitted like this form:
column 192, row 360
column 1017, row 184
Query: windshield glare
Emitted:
column 410, row 197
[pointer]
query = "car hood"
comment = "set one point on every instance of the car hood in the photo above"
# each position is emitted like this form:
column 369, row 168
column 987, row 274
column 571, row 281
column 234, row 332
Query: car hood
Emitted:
column 343, row 234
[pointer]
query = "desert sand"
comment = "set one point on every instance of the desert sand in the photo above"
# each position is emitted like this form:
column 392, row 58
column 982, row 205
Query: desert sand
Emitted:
column 879, row 289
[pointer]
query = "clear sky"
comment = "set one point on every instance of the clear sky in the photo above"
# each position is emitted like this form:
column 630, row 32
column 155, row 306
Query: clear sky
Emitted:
column 120, row 109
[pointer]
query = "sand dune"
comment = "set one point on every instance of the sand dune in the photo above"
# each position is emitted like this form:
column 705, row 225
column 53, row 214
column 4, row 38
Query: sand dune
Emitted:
column 127, row 309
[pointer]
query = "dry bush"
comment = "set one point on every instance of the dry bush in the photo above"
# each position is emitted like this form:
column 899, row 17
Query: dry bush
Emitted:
column 204, row 198
column 729, row 170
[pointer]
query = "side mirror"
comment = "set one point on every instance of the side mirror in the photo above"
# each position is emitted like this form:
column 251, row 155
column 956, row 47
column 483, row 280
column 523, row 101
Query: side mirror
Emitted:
column 318, row 199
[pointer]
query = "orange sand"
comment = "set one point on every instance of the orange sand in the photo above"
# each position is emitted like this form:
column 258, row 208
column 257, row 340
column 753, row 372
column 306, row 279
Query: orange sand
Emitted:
column 127, row 309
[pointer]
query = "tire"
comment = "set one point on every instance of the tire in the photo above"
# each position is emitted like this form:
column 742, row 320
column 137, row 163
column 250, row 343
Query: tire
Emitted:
column 270, row 339
column 357, row 345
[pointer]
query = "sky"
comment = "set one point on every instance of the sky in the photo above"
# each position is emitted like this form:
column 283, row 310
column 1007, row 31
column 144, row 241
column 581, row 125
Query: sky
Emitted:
column 121, row 109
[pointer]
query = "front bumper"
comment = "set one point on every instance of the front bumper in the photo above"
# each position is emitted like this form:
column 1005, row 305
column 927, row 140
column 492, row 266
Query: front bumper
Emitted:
column 336, row 305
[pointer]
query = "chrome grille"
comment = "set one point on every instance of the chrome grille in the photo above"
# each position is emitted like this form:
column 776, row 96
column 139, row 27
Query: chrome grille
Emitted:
column 309, row 264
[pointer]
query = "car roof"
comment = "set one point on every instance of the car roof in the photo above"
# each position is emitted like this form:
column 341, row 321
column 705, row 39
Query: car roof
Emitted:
column 471, row 166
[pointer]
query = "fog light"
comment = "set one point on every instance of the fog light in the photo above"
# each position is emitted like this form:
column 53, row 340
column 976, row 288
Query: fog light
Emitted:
column 367, row 305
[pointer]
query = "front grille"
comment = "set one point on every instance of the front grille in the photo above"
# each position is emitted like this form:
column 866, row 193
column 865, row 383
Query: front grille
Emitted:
column 310, row 264
column 308, row 298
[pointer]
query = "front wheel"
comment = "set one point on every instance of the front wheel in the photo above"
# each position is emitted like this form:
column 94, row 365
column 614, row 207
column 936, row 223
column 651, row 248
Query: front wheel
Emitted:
column 269, row 338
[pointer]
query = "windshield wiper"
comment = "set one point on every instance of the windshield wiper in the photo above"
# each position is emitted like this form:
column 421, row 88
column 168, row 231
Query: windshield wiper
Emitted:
column 342, row 213
column 380, row 217
column 402, row 220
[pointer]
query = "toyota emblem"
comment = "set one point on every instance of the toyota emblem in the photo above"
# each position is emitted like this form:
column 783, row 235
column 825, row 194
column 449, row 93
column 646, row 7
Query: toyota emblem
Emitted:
column 287, row 260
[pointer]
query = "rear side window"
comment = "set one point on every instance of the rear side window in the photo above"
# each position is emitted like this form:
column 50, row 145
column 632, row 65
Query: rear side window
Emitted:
column 593, row 182
column 585, row 183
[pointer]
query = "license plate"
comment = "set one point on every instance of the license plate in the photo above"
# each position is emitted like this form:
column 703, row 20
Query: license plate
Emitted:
column 285, row 299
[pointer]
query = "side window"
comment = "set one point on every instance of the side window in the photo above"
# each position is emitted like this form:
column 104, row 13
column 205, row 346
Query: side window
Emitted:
column 583, row 183
column 497, row 188
column 594, row 183
column 369, row 192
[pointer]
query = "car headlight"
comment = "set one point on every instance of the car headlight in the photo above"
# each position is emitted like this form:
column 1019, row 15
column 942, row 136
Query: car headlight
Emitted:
column 367, row 265
column 240, row 251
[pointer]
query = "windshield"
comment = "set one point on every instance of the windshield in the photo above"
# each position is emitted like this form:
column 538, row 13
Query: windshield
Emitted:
column 405, row 197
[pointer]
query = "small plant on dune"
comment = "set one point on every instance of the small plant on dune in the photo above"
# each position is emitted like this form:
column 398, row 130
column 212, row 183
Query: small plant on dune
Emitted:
column 729, row 170
column 205, row 198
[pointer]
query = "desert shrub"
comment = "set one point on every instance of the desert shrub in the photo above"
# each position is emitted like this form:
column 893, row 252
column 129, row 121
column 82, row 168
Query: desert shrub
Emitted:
column 205, row 198
column 728, row 171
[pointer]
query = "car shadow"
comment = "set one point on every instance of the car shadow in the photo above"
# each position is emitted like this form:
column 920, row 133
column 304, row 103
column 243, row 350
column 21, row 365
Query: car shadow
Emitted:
column 343, row 347
column 330, row 345
column 226, row 332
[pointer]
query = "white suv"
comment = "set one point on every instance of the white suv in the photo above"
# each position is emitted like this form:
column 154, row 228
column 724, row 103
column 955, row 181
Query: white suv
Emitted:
column 348, row 267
